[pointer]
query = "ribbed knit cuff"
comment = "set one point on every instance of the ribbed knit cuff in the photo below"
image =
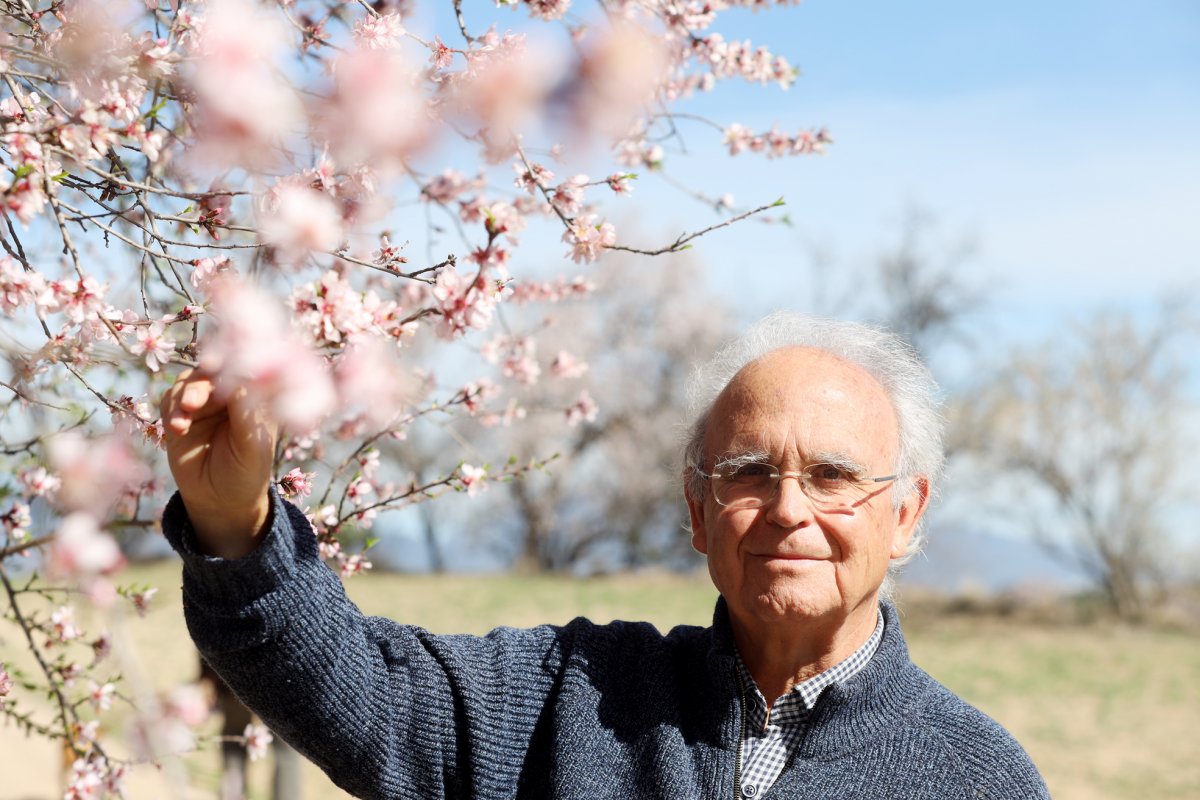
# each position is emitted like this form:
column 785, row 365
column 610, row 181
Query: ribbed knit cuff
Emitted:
column 232, row 582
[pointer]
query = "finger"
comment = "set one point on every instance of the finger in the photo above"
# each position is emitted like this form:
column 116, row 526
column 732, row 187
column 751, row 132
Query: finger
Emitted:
column 196, row 394
column 250, row 421
column 168, row 407
column 191, row 397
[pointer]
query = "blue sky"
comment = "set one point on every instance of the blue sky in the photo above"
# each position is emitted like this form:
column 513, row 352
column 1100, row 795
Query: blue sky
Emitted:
column 1060, row 137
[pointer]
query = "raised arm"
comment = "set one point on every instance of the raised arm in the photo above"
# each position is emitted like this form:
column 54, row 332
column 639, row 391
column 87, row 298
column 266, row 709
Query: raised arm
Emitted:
column 220, row 452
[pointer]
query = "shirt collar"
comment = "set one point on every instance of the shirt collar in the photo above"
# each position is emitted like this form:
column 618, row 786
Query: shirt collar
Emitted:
column 794, row 706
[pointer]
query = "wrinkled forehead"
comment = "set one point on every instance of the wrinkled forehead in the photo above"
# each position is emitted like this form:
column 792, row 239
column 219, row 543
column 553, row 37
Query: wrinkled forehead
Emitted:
column 804, row 403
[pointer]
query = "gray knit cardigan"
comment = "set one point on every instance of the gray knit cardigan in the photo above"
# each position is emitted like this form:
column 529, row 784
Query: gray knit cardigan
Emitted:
column 578, row 711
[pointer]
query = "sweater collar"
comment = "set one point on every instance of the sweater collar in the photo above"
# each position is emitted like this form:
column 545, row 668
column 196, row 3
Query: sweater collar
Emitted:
column 848, row 715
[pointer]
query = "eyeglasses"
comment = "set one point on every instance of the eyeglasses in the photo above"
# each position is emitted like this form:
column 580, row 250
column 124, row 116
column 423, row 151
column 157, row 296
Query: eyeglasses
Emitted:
column 830, row 487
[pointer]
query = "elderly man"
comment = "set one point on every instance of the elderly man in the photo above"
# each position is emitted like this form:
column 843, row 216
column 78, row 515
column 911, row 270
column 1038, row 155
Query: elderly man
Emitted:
column 812, row 458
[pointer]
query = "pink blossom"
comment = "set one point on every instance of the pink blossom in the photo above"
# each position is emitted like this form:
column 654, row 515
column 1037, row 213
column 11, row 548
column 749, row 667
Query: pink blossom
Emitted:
column 379, row 110
column 255, row 348
column 101, row 696
column 502, row 88
column 94, row 472
column 369, row 381
column 738, row 138
column 6, row 685
column 81, row 550
column 621, row 182
column 583, row 409
column 532, row 177
column 298, row 220
column 16, row 521
column 39, row 482
column 473, row 479
column 354, row 564
column 141, row 600
column 440, row 56
column 551, row 292
column 463, row 303
column 588, row 239
column 376, row 32
column 18, row 287
column 502, row 218
column 152, row 342
column 25, row 198
column 567, row 197
column 206, row 270
column 566, row 365
column 87, row 780
column 296, row 483
column 188, row 704
column 359, row 490
column 87, row 731
column 257, row 739
column 63, row 622
column 445, row 187
column 622, row 68
column 244, row 106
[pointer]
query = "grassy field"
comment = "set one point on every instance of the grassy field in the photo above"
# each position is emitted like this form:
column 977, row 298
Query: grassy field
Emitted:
column 1105, row 711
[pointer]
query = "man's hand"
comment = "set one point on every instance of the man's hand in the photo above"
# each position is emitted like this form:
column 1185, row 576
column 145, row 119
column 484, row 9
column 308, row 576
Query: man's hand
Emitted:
column 221, row 454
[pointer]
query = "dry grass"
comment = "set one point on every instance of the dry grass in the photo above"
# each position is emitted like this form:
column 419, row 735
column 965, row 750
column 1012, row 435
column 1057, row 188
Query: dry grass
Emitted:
column 1106, row 711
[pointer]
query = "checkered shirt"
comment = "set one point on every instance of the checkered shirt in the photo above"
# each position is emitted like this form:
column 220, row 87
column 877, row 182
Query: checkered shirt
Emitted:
column 769, row 742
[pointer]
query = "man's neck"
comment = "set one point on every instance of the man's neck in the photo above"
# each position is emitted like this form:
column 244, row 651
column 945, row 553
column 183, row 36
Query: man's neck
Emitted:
column 780, row 657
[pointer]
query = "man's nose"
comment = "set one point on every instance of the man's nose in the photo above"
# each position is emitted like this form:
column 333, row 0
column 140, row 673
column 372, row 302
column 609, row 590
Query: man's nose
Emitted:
column 790, row 506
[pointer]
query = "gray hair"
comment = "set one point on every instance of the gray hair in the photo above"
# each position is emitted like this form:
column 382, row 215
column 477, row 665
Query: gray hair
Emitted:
column 885, row 356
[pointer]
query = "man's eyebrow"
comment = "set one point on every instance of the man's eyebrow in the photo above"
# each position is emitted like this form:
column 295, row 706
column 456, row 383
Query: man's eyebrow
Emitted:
column 840, row 460
column 740, row 459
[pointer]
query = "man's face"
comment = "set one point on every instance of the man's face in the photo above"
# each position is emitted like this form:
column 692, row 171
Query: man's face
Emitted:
column 787, row 561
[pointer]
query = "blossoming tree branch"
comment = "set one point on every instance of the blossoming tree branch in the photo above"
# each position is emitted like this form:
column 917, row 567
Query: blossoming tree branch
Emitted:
column 238, row 187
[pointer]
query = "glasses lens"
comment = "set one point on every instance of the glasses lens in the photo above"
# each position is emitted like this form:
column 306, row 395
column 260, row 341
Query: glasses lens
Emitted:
column 830, row 485
column 749, row 485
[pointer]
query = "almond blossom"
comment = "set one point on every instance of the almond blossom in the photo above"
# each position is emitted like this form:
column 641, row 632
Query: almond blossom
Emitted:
column 81, row 550
column 379, row 31
column 566, row 365
column 101, row 695
column 152, row 342
column 257, row 739
column 296, row 483
column 584, row 409
column 299, row 221
column 473, row 479
column 588, row 238
column 6, row 685
column 254, row 348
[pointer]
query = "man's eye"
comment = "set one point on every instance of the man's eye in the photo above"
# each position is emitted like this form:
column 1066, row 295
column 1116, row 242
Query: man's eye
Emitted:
column 752, row 472
column 828, row 474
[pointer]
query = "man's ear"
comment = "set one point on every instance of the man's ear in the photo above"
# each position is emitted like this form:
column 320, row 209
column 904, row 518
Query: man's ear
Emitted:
column 696, row 514
column 909, row 514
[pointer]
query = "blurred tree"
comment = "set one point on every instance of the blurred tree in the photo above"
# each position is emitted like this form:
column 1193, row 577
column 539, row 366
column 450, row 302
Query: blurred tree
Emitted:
column 613, row 500
column 918, row 286
column 1093, row 428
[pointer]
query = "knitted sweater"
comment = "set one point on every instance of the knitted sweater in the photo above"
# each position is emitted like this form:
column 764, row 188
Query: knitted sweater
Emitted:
column 581, row 711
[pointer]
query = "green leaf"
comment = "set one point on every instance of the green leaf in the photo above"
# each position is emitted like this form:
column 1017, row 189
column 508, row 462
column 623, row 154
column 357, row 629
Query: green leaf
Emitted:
column 159, row 106
column 778, row 203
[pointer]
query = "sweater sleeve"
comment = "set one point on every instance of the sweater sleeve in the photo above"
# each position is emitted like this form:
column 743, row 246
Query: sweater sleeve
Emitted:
column 387, row 710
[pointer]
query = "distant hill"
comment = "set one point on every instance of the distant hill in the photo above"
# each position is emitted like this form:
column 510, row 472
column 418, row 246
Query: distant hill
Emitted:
column 957, row 561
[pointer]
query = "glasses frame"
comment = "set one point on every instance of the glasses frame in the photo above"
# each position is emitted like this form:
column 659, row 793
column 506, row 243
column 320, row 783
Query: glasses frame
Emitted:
column 777, row 476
